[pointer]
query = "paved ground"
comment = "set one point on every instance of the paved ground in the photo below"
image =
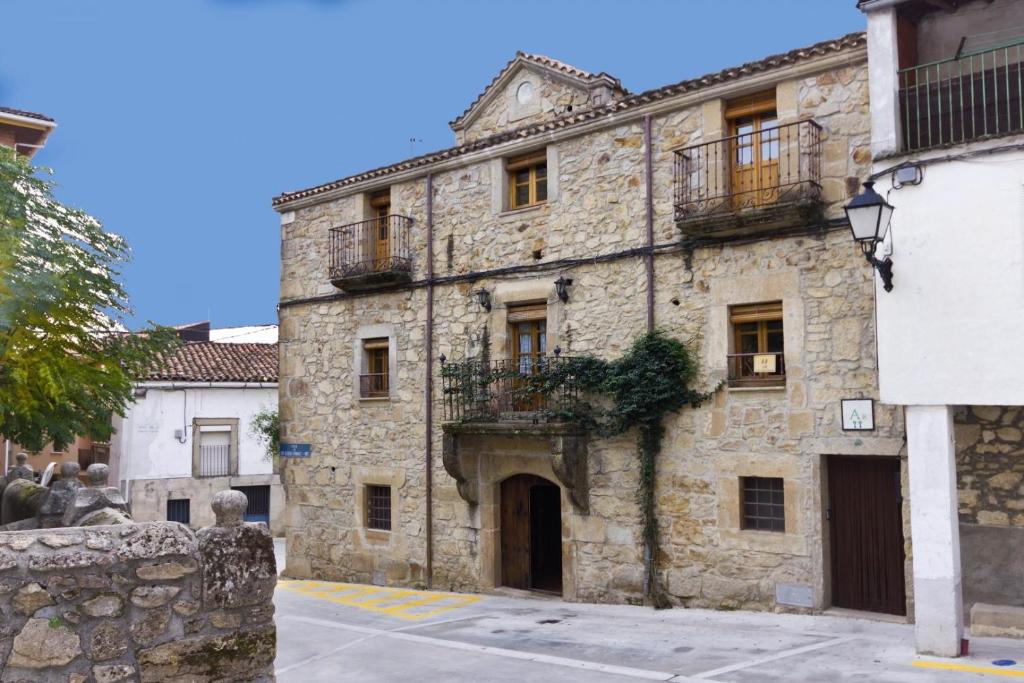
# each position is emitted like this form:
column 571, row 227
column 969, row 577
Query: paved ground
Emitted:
column 347, row 632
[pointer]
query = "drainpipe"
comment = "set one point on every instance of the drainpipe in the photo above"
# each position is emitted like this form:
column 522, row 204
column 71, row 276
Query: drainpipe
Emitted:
column 428, row 390
column 649, row 201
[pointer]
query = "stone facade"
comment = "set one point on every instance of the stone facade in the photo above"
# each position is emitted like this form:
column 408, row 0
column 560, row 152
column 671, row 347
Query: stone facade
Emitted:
column 990, row 465
column 592, row 229
column 139, row 602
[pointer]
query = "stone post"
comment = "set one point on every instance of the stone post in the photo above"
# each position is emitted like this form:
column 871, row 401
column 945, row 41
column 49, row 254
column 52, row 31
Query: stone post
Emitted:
column 935, row 530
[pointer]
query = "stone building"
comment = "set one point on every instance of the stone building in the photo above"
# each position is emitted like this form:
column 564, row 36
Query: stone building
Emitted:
column 570, row 217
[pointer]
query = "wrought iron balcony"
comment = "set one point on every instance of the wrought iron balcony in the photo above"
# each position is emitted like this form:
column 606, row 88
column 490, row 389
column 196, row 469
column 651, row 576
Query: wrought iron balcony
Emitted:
column 757, row 369
column 962, row 99
column 371, row 253
column 529, row 388
column 373, row 385
column 750, row 183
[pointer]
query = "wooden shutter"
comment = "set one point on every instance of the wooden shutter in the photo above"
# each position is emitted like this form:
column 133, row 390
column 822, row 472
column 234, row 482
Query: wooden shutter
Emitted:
column 758, row 103
column 751, row 313
column 527, row 160
column 371, row 344
column 527, row 312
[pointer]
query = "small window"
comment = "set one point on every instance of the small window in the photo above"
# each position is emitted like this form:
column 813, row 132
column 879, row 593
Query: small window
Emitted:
column 764, row 506
column 178, row 511
column 527, row 180
column 215, row 451
column 758, row 357
column 373, row 383
column 378, row 507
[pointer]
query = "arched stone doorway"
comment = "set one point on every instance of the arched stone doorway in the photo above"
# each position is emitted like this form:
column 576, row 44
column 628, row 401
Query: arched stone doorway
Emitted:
column 531, row 534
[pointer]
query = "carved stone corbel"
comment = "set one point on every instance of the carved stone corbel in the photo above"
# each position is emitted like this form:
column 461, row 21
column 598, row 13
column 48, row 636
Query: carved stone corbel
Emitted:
column 569, row 462
column 467, row 485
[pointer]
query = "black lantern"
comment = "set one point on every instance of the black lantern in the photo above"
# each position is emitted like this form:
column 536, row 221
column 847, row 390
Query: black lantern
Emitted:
column 483, row 297
column 869, row 215
column 561, row 287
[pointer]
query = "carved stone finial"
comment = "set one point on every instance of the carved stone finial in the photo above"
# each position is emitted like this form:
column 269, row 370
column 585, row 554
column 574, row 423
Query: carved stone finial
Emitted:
column 229, row 507
column 98, row 474
column 69, row 471
column 21, row 458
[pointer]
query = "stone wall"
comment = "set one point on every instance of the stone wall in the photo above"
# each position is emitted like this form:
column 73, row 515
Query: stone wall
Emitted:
column 990, row 464
column 596, row 207
column 139, row 602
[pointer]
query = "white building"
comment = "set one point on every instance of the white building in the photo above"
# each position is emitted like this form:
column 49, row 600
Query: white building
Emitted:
column 188, row 435
column 947, row 128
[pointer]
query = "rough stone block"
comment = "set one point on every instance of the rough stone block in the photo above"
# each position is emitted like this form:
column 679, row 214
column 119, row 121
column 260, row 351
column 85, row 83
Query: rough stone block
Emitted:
column 30, row 598
column 41, row 644
column 153, row 596
column 240, row 569
column 245, row 655
column 998, row 621
column 108, row 640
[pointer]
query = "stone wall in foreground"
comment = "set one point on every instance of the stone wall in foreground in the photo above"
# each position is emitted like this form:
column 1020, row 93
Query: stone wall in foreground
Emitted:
column 139, row 602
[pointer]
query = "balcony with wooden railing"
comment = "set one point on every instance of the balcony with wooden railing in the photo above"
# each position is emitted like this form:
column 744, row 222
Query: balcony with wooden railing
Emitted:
column 964, row 98
column 371, row 253
column 750, row 183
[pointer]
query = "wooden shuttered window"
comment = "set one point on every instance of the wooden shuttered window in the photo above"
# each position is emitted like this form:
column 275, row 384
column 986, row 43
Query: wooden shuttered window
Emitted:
column 755, row 312
column 374, row 382
column 527, row 179
column 527, row 312
column 757, row 357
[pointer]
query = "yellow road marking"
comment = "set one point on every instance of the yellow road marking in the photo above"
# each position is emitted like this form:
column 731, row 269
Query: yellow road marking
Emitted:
column 395, row 602
column 971, row 668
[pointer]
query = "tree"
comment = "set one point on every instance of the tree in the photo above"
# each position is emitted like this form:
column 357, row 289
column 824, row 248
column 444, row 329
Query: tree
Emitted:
column 266, row 427
column 67, row 362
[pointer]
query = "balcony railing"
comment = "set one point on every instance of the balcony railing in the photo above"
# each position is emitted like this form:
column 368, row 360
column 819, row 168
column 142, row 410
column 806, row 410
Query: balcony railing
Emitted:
column 369, row 252
column 373, row 385
column 214, row 461
column 757, row 369
column 739, row 175
column 963, row 98
column 523, row 389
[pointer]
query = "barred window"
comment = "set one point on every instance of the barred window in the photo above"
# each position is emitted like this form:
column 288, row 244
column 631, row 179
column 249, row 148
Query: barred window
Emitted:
column 378, row 507
column 178, row 511
column 763, row 504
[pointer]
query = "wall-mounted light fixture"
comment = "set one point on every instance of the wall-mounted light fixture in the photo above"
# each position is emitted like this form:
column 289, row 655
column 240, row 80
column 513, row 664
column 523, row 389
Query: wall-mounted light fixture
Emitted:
column 562, row 285
column 869, row 215
column 483, row 297
column 442, row 358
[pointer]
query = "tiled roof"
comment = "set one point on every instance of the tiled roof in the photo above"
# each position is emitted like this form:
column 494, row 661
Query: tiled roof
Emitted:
column 26, row 114
column 847, row 42
column 215, row 362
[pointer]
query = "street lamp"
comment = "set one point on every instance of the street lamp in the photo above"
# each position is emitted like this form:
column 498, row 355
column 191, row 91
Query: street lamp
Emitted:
column 869, row 215
column 562, row 285
column 483, row 297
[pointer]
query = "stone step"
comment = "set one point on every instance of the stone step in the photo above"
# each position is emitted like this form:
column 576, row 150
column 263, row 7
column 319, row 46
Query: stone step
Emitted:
column 1003, row 621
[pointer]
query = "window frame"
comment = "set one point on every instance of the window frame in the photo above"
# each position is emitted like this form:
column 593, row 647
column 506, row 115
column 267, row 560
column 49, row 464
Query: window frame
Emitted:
column 531, row 163
column 376, row 363
column 775, row 520
column 372, row 516
column 763, row 315
column 197, row 424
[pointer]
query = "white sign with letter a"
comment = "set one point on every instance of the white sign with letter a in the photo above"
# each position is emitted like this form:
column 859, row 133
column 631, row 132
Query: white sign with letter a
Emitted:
column 858, row 414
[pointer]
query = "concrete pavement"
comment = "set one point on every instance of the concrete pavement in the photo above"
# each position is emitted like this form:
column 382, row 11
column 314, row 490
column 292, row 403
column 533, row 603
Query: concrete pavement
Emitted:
column 348, row 632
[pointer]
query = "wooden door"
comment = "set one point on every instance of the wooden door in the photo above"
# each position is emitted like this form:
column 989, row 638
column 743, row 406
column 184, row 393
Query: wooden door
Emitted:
column 381, row 238
column 531, row 534
column 755, row 160
column 515, row 531
column 528, row 351
column 866, row 524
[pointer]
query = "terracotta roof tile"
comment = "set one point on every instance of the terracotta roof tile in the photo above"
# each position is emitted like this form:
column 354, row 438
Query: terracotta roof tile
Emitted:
column 27, row 114
column 215, row 362
column 847, row 42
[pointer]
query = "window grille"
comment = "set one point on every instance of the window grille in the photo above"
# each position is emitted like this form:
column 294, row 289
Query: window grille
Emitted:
column 764, row 506
column 378, row 507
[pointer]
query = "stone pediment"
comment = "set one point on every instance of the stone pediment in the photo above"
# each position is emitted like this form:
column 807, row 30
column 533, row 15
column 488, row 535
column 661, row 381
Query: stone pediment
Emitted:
column 532, row 88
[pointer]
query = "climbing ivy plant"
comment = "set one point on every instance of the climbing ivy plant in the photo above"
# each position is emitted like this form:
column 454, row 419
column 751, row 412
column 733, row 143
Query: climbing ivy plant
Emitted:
column 652, row 379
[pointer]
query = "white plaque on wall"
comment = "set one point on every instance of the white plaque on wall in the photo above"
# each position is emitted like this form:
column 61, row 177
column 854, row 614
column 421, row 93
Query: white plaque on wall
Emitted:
column 858, row 414
column 764, row 362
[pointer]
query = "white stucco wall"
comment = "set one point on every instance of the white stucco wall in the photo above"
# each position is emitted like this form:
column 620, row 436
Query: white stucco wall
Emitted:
column 950, row 332
column 145, row 443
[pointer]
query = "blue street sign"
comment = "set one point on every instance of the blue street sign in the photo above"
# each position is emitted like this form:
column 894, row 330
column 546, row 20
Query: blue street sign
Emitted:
column 296, row 450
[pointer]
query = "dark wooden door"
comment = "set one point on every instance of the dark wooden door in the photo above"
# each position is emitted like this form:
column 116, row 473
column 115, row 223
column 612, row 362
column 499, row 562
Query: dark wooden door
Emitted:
column 865, row 508
column 531, row 534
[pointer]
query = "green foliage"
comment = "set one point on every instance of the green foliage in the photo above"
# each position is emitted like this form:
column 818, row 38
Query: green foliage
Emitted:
column 652, row 379
column 266, row 427
column 67, row 362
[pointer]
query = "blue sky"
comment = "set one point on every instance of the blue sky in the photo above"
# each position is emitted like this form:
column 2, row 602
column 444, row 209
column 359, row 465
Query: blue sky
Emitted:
column 179, row 120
